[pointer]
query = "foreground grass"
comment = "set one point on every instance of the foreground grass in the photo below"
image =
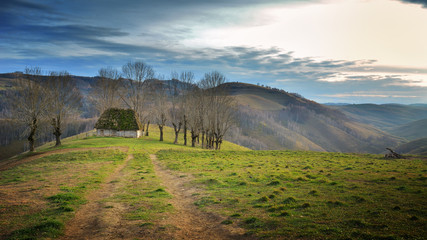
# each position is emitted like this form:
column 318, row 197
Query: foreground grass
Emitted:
column 43, row 194
column 310, row 195
column 273, row 194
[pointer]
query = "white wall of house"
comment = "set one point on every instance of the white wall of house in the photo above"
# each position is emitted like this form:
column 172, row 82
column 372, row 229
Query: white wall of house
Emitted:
column 114, row 133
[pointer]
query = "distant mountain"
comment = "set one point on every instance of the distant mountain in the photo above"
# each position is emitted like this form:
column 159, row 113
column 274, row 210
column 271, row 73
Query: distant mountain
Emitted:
column 385, row 116
column 417, row 147
column 411, row 131
column 275, row 119
column 335, row 104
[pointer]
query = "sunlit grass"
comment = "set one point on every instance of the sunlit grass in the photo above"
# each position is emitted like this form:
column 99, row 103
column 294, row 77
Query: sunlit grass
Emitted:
column 291, row 194
column 46, row 192
column 273, row 194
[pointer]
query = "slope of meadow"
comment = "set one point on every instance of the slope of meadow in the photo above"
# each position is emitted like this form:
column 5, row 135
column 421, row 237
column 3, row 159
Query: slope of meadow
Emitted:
column 411, row 131
column 418, row 147
column 384, row 116
column 116, row 183
column 274, row 120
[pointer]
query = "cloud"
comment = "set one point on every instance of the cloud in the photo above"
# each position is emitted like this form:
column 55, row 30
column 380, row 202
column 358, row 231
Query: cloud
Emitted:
column 421, row 2
column 83, row 36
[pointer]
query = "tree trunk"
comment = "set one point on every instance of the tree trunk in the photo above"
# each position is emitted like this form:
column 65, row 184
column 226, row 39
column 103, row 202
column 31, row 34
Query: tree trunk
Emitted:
column 161, row 133
column 58, row 140
column 146, row 132
column 176, row 129
column 30, row 138
column 143, row 128
column 57, row 130
column 193, row 139
column 203, row 139
column 31, row 141
column 185, row 130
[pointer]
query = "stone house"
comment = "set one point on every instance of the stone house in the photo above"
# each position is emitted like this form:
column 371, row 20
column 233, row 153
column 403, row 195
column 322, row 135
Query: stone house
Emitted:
column 115, row 122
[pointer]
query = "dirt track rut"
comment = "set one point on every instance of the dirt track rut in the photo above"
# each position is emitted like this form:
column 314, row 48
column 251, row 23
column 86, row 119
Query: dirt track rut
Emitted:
column 188, row 220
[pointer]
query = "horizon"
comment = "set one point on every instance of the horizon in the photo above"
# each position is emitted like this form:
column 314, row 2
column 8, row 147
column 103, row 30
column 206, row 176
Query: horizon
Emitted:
column 351, row 51
column 264, row 86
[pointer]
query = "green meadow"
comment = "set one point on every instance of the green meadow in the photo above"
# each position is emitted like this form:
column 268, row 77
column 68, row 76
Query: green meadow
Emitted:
column 310, row 195
column 271, row 194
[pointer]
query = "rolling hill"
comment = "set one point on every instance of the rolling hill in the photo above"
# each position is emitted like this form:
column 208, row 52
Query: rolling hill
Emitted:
column 275, row 119
column 384, row 116
column 411, row 131
column 417, row 147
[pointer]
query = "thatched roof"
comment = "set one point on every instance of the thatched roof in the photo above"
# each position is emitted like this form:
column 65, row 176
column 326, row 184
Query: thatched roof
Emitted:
column 118, row 119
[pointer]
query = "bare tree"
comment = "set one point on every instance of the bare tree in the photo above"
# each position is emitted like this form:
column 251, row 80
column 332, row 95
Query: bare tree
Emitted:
column 224, row 116
column 160, row 107
column 176, row 108
column 29, row 102
column 134, row 93
column 64, row 99
column 105, row 90
column 187, row 79
column 194, row 114
column 218, row 110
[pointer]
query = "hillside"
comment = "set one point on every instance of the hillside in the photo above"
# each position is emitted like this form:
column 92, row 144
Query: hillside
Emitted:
column 411, row 131
column 385, row 116
column 275, row 119
column 417, row 147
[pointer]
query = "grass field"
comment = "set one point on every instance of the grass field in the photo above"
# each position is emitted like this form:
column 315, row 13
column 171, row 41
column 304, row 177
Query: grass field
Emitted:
column 271, row 194
column 310, row 195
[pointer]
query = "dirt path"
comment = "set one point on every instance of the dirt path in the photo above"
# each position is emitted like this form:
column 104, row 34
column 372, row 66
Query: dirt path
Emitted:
column 188, row 220
column 14, row 162
column 101, row 219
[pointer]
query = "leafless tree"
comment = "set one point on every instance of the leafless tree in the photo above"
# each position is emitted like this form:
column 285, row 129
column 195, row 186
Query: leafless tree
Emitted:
column 176, row 108
column 29, row 102
column 187, row 79
column 218, row 109
column 64, row 100
column 160, row 109
column 105, row 90
column 134, row 93
column 194, row 114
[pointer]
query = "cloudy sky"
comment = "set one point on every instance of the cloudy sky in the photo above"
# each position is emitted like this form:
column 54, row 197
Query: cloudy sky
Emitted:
column 352, row 51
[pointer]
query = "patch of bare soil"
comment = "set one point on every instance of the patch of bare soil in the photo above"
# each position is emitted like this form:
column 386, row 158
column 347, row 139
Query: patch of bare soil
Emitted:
column 100, row 218
column 187, row 221
column 14, row 162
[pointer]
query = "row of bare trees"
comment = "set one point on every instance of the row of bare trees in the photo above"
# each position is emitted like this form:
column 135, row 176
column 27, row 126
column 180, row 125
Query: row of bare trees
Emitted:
column 202, row 108
column 43, row 98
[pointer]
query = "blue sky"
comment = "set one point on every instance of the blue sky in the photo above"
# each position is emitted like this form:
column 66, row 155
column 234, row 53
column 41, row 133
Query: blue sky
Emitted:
column 353, row 51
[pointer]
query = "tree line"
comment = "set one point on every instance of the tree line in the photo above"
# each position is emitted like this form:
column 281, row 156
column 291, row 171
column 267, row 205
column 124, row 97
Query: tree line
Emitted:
column 38, row 98
column 201, row 109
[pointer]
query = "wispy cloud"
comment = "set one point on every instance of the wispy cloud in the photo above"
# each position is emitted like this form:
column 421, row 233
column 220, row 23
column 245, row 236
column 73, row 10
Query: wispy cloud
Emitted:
column 83, row 36
column 421, row 2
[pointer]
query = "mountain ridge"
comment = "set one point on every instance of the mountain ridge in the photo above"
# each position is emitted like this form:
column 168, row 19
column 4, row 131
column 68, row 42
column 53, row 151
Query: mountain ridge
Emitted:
column 270, row 118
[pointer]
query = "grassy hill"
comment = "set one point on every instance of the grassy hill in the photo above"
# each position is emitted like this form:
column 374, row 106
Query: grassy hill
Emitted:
column 275, row 119
column 418, row 146
column 411, row 131
column 385, row 116
column 261, row 194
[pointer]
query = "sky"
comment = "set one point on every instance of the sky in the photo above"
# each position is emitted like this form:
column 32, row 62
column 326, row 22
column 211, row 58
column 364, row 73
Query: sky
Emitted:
column 342, row 51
